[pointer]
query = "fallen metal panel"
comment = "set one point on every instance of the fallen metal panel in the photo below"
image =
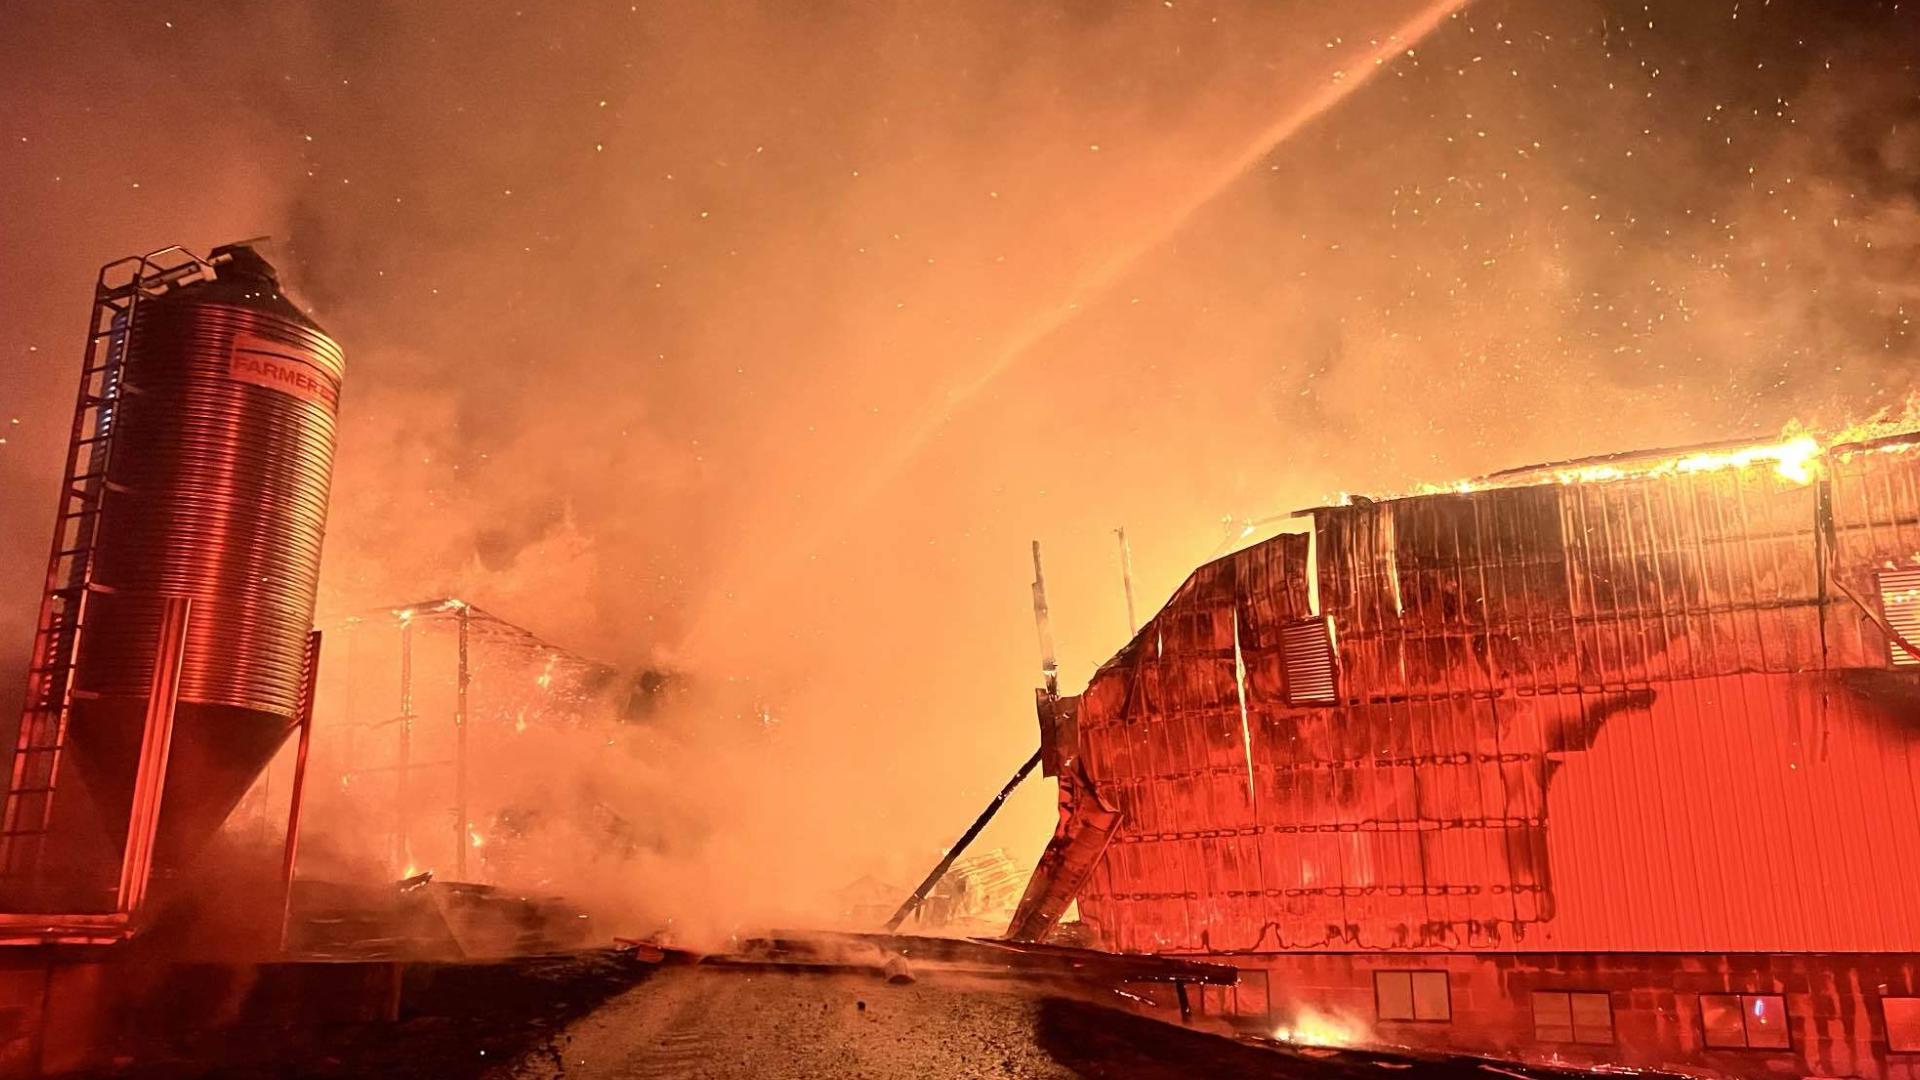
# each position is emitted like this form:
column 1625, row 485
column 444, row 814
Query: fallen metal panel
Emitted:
column 815, row 950
column 1086, row 826
column 34, row 929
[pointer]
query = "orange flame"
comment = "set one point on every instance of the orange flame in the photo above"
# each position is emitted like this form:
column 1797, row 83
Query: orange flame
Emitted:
column 1310, row 1028
column 1796, row 458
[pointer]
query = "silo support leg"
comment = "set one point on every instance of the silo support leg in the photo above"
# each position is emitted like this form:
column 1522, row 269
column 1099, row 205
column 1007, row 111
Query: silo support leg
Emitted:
column 156, row 741
column 297, row 797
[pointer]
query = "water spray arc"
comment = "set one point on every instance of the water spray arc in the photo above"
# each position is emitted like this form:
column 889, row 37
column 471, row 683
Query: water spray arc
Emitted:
column 1097, row 279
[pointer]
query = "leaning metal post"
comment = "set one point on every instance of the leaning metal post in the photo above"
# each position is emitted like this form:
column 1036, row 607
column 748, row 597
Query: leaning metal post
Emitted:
column 920, row 894
column 1050, row 673
column 156, row 742
column 1049, row 665
column 462, row 827
column 298, row 797
column 401, row 845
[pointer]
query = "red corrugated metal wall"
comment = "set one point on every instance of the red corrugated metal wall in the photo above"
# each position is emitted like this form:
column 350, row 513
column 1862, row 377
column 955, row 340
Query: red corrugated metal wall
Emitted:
column 1639, row 714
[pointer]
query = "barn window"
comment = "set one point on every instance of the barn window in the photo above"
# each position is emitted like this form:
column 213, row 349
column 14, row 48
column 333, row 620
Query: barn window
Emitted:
column 1900, row 603
column 1307, row 648
column 1412, row 995
column 1903, row 1024
column 1738, row 1021
column 1571, row 1016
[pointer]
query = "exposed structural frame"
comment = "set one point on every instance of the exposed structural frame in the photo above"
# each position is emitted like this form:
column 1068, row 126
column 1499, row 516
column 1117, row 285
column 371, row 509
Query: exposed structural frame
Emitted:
column 472, row 625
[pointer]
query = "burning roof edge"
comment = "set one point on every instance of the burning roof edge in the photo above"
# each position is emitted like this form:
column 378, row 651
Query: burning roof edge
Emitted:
column 1792, row 457
column 1874, row 436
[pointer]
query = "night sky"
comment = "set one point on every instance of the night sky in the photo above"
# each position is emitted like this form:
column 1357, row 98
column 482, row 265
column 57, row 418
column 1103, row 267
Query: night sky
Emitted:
column 759, row 338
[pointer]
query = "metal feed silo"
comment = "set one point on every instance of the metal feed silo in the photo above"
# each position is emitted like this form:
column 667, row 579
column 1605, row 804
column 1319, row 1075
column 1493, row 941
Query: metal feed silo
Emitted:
column 216, row 442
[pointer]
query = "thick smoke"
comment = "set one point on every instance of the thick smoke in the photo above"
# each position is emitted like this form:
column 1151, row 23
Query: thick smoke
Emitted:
column 635, row 296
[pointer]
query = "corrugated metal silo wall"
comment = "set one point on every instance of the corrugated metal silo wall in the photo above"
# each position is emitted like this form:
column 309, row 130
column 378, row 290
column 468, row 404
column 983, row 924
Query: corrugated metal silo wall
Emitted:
column 1589, row 717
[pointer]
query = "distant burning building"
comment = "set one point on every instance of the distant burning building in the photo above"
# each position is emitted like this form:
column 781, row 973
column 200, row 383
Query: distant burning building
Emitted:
column 1612, row 761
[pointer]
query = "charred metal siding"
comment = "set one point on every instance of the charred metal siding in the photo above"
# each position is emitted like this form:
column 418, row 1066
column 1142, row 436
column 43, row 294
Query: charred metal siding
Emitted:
column 1640, row 714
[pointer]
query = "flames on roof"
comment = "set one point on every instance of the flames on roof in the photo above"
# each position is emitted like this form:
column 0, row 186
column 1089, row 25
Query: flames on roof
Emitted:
column 1797, row 457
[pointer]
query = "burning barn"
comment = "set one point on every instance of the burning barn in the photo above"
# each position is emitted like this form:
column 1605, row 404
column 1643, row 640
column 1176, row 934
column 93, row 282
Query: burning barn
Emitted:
column 1614, row 761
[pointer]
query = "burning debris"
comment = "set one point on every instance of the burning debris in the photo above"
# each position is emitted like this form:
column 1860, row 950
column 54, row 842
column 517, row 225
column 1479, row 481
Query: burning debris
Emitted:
column 1312, row 1028
column 421, row 919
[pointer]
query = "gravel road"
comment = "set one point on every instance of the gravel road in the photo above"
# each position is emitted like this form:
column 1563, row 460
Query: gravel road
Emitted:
column 703, row 1024
column 707, row 1024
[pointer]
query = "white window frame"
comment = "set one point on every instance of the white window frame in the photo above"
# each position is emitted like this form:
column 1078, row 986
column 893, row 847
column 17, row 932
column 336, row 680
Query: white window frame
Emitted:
column 1743, row 1003
column 1909, row 1010
column 1574, row 1029
column 1410, row 975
